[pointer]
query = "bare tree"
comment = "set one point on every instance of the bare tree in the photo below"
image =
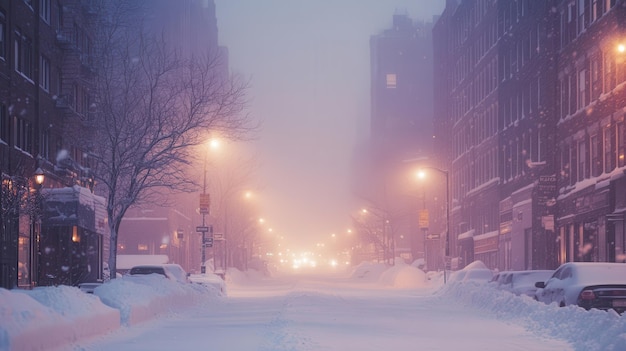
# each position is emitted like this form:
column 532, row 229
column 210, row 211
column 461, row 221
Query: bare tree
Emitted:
column 234, row 213
column 152, row 105
column 378, row 226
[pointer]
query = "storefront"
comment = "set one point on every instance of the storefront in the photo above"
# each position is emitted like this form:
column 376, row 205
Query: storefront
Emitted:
column 73, row 229
column 582, row 231
column 486, row 248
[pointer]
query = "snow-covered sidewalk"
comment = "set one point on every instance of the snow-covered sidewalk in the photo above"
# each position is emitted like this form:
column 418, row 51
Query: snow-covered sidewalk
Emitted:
column 50, row 317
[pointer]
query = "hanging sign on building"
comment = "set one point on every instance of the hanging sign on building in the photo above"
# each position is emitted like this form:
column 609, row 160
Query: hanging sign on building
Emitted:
column 423, row 219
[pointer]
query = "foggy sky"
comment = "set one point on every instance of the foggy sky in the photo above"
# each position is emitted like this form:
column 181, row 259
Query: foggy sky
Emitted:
column 308, row 64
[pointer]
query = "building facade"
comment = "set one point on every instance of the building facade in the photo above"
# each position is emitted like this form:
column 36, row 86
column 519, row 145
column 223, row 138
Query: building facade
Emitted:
column 591, row 107
column 53, row 228
column 45, row 49
column 530, row 97
column 401, row 116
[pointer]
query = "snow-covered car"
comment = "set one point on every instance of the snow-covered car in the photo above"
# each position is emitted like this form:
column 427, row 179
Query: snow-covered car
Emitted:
column 476, row 271
column 170, row 270
column 600, row 285
column 521, row 282
column 209, row 280
column 478, row 275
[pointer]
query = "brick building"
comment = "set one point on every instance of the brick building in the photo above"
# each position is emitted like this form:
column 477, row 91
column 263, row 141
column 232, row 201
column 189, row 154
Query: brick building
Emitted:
column 530, row 100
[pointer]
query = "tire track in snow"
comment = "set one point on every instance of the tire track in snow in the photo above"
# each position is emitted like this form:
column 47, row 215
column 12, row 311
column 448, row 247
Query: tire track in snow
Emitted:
column 280, row 333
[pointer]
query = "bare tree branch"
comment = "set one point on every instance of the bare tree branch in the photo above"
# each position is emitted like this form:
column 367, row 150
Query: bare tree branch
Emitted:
column 153, row 105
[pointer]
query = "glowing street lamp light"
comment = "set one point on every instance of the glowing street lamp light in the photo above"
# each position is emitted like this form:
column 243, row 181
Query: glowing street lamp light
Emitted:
column 214, row 144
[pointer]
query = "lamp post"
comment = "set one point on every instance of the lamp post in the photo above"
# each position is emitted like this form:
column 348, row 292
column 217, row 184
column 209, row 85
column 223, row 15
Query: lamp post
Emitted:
column 421, row 174
column 205, row 205
column 39, row 178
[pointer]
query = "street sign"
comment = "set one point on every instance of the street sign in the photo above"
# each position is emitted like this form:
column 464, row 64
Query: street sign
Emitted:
column 205, row 203
column 208, row 240
column 208, row 245
column 423, row 219
column 207, row 229
column 218, row 236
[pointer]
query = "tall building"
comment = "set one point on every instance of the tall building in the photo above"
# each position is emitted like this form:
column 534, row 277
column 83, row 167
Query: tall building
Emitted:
column 47, row 71
column 591, row 105
column 495, row 130
column 53, row 227
column 530, row 122
column 400, row 128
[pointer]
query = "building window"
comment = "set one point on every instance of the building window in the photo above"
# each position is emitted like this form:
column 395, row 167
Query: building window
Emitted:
column 23, row 134
column 609, row 73
column 44, row 73
column 541, row 144
column 572, row 94
column 44, row 145
column 582, row 160
column 564, row 96
column 3, row 39
column 608, row 150
column 44, row 10
column 142, row 247
column 596, row 78
column 573, row 163
column 4, row 124
column 582, row 89
column 620, row 144
column 582, row 23
column 596, row 156
column 595, row 10
column 565, row 164
column 23, row 50
column 391, row 81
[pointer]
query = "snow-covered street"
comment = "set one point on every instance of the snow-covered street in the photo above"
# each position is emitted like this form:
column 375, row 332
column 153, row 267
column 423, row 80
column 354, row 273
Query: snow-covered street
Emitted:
column 328, row 312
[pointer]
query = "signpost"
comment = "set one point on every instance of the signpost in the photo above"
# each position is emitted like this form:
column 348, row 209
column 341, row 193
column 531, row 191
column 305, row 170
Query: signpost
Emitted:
column 204, row 209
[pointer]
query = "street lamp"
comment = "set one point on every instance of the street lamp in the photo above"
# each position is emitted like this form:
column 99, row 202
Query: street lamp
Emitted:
column 39, row 178
column 421, row 174
column 205, row 204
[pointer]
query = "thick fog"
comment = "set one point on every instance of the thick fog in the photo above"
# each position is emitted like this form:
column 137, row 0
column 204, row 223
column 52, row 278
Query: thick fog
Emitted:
column 308, row 64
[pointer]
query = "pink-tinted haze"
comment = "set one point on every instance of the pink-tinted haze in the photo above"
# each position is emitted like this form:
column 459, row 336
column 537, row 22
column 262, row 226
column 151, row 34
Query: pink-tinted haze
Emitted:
column 308, row 62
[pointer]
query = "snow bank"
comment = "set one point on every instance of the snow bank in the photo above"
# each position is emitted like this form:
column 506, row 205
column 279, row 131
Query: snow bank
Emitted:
column 593, row 330
column 46, row 318
column 143, row 297
column 59, row 314
column 368, row 271
column 403, row 276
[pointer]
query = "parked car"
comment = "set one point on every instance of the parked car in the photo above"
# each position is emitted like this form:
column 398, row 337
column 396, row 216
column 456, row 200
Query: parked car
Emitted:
column 209, row 280
column 589, row 285
column 476, row 271
column 170, row 270
column 521, row 282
